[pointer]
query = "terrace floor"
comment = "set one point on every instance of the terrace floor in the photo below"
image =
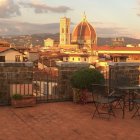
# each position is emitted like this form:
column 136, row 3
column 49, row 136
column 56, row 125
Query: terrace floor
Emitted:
column 64, row 121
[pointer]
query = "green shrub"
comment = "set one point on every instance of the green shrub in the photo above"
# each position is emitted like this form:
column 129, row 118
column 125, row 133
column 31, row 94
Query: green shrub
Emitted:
column 17, row 96
column 84, row 78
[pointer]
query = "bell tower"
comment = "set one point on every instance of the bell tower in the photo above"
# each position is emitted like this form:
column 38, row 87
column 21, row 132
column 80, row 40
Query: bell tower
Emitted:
column 64, row 31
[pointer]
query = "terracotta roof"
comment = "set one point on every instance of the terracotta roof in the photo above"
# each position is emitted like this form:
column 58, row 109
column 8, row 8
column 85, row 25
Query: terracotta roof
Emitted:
column 74, row 55
column 3, row 49
column 83, row 31
column 108, row 48
column 3, row 42
column 33, row 51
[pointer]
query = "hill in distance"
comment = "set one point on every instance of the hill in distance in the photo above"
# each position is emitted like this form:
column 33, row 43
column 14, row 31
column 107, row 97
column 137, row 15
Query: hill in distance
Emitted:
column 38, row 39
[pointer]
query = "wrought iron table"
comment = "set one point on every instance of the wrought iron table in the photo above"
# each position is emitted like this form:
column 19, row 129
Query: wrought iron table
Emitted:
column 128, row 90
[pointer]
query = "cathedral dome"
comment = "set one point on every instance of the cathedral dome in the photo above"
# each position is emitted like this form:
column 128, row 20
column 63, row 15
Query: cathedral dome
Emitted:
column 84, row 33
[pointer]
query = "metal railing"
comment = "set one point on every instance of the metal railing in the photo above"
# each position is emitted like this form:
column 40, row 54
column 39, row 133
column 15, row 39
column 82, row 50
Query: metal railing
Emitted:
column 45, row 86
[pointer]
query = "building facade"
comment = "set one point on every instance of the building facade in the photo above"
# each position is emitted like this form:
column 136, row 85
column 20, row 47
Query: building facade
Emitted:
column 10, row 55
column 48, row 42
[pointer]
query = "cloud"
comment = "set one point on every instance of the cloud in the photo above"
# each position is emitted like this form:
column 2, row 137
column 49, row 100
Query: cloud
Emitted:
column 107, row 29
column 12, row 8
column 9, row 27
column 110, row 29
column 44, row 8
column 8, row 8
column 112, row 32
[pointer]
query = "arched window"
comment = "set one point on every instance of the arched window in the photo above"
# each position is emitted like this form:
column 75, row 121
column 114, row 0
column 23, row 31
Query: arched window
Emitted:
column 62, row 30
column 67, row 30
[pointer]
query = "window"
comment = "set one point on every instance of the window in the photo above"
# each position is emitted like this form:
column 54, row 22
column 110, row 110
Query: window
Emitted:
column 25, row 59
column 85, row 59
column 122, row 59
column 17, row 58
column 66, row 58
column 67, row 30
column 62, row 30
column 115, row 59
column 2, row 58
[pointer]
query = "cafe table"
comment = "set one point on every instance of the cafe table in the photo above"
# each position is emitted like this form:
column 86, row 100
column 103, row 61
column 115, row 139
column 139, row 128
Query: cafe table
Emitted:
column 130, row 92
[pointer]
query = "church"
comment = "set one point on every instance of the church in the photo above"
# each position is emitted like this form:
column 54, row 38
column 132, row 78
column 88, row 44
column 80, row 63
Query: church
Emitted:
column 81, row 45
column 83, row 34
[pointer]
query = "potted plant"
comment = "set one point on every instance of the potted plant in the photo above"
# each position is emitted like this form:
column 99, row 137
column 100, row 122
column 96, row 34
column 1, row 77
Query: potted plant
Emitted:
column 82, row 81
column 19, row 100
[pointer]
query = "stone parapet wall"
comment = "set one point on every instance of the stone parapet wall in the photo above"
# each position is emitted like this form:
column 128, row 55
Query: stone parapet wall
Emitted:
column 16, row 72
column 12, row 74
column 72, row 64
column 65, row 71
column 125, row 74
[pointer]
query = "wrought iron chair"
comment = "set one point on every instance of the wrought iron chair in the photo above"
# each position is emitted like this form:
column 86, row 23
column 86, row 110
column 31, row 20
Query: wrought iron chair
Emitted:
column 101, row 99
column 136, row 102
column 118, row 96
column 121, row 81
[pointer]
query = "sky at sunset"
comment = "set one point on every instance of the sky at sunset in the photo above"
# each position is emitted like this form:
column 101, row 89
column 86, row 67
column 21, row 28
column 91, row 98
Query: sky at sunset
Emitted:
column 110, row 18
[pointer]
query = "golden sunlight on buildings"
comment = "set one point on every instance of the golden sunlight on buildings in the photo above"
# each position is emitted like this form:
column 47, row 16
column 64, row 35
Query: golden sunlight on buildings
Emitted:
column 48, row 42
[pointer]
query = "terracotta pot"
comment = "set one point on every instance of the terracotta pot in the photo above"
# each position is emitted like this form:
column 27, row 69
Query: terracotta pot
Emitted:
column 80, row 95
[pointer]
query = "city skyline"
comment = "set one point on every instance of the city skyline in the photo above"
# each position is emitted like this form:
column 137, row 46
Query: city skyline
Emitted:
column 110, row 18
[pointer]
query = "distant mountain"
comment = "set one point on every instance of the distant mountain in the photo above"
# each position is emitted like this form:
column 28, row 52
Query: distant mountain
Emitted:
column 108, row 41
column 38, row 39
column 100, row 40
column 27, row 40
column 45, row 36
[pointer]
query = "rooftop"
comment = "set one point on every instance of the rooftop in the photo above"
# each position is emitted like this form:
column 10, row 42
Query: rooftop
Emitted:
column 64, row 121
column 120, row 48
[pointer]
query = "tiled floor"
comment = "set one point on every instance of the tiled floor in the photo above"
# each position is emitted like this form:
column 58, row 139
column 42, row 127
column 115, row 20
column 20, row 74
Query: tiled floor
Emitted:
column 64, row 121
